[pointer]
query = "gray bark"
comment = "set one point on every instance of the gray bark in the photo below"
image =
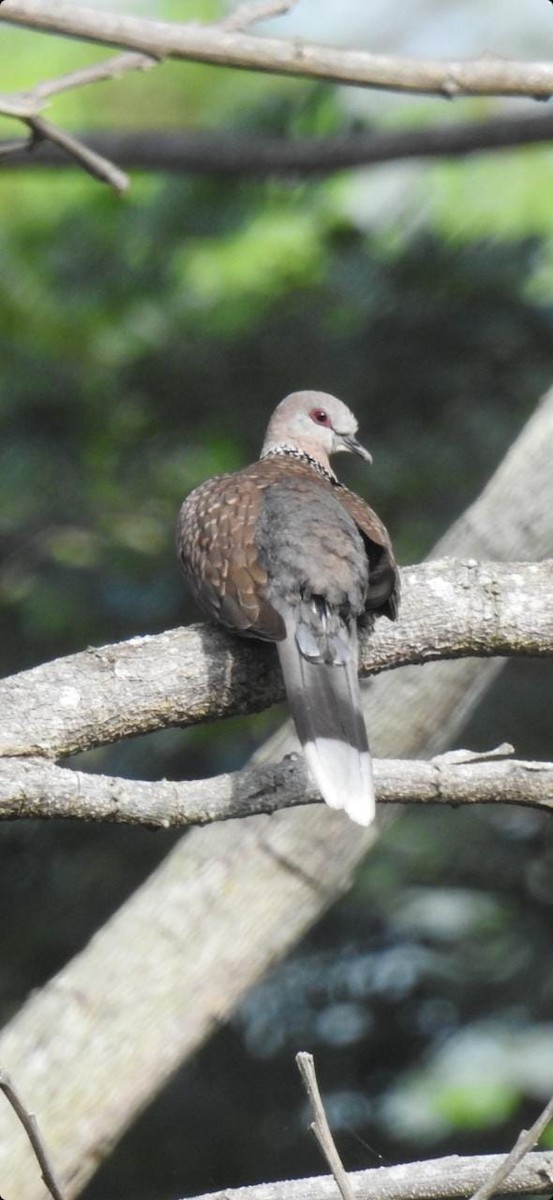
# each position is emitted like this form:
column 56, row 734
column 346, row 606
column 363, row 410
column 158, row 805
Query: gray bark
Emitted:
column 93, row 1046
column 451, row 1178
column 227, row 47
column 450, row 609
column 32, row 787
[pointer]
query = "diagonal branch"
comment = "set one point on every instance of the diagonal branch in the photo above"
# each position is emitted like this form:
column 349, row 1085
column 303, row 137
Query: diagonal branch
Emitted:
column 525, row 1142
column 485, row 76
column 320, row 1126
column 31, row 102
column 30, row 1125
column 27, row 106
column 97, row 166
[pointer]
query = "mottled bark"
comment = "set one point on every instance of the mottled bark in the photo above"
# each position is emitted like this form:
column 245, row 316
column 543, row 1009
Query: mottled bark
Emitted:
column 451, row 1178
column 450, row 609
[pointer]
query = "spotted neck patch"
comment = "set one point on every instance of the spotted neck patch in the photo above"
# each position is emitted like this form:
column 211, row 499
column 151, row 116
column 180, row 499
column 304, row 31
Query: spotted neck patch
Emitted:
column 284, row 451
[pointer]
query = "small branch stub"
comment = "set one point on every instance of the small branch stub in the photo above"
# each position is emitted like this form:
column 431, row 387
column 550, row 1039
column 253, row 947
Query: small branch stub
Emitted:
column 30, row 1125
column 320, row 1126
column 525, row 1142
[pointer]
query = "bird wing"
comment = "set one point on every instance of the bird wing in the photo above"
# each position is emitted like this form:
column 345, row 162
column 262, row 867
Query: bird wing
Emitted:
column 217, row 547
column 384, row 584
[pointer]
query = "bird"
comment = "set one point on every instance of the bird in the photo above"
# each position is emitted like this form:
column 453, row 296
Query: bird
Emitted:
column 283, row 552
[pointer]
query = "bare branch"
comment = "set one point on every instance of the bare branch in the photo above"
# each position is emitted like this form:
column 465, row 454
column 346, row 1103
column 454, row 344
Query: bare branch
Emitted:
column 260, row 10
column 320, row 1126
column 451, row 1178
column 34, row 787
column 27, row 106
column 97, row 166
column 30, row 1125
column 525, row 1142
column 485, row 76
column 30, row 103
column 111, row 68
column 230, row 153
column 450, row 609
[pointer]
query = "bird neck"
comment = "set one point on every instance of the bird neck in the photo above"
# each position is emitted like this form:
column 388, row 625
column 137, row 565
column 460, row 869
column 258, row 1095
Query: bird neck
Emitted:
column 286, row 450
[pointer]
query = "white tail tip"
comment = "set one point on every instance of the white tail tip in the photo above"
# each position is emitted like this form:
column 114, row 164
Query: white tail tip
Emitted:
column 344, row 777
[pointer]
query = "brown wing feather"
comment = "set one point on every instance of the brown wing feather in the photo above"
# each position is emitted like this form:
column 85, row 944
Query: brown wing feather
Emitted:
column 384, row 584
column 216, row 540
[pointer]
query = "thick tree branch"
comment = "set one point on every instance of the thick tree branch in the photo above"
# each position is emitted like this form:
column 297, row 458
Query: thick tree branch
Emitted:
column 230, row 900
column 36, row 788
column 450, row 1178
column 234, row 154
column 485, row 76
column 450, row 609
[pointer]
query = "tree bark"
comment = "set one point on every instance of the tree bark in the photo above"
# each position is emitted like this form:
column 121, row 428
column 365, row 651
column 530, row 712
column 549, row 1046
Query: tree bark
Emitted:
column 31, row 787
column 450, row 609
column 227, row 47
column 451, row 1178
column 103, row 1036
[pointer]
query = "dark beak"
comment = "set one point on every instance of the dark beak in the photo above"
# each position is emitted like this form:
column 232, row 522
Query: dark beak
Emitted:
column 354, row 447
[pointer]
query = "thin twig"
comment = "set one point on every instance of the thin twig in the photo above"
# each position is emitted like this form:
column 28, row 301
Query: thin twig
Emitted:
column 101, row 168
column 320, row 1126
column 30, row 103
column 30, row 1125
column 17, row 146
column 525, row 1142
column 260, row 10
column 111, row 68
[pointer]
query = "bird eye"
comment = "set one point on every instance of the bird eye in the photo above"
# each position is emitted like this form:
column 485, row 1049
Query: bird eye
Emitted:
column 320, row 416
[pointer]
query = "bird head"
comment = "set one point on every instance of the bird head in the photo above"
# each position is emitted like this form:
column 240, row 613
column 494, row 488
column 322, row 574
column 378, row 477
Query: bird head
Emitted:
column 314, row 423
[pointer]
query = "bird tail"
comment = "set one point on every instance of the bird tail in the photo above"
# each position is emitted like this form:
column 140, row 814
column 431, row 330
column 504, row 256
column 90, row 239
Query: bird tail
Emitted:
column 319, row 660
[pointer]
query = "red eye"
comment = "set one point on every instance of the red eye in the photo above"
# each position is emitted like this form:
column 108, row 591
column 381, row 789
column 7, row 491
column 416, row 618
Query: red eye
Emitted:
column 320, row 416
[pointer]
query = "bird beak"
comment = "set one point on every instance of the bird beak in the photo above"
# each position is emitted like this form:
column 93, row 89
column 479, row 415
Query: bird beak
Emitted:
column 352, row 446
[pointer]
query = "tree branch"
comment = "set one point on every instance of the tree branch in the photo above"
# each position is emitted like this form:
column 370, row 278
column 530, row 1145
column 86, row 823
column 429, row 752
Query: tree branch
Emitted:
column 320, row 1126
column 30, row 1125
column 95, row 164
column 27, row 106
column 525, row 1142
column 451, row 1178
column 260, row 10
column 245, row 890
column 30, row 103
column 33, row 787
column 234, row 154
column 485, row 76
column 450, row 609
